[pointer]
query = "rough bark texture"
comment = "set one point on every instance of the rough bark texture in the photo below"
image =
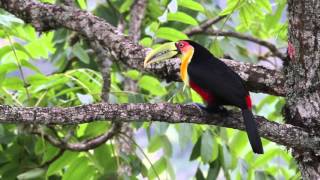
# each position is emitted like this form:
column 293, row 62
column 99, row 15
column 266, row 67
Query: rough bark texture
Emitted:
column 137, row 13
column 303, row 78
column 45, row 17
column 285, row 134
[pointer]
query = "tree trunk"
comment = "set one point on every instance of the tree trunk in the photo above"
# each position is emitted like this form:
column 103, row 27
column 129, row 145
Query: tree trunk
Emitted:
column 302, row 73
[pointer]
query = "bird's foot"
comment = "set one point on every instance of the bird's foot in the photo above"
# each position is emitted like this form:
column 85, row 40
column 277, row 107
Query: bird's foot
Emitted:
column 223, row 111
column 218, row 110
column 199, row 106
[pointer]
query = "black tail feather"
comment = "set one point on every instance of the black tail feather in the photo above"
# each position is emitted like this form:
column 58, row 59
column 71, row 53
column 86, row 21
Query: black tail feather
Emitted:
column 252, row 131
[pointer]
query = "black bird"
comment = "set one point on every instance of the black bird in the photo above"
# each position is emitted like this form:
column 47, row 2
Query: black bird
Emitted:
column 212, row 79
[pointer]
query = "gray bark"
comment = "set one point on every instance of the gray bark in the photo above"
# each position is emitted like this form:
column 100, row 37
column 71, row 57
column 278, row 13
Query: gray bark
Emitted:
column 303, row 78
column 285, row 134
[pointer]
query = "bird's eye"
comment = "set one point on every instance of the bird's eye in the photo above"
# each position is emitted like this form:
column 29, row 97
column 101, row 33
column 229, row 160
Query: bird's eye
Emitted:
column 180, row 45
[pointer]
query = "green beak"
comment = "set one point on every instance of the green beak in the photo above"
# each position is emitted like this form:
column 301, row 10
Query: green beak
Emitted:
column 161, row 53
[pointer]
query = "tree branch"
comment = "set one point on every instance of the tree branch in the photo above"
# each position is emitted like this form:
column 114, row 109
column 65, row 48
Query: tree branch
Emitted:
column 284, row 134
column 203, row 26
column 261, row 42
column 46, row 16
column 137, row 14
column 83, row 145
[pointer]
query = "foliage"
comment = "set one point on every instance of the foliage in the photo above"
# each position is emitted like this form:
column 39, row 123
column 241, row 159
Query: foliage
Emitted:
column 210, row 151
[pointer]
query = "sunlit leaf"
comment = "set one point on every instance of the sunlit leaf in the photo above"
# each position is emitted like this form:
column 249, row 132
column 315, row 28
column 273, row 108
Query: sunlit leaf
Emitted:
column 80, row 53
column 152, row 85
column 66, row 159
column 32, row 174
column 170, row 34
column 182, row 17
column 191, row 5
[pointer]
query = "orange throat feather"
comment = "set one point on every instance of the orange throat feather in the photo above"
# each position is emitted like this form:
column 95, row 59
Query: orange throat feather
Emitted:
column 185, row 60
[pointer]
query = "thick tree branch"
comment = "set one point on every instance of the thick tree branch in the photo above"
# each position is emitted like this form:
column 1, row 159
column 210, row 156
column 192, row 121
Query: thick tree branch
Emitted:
column 284, row 134
column 46, row 16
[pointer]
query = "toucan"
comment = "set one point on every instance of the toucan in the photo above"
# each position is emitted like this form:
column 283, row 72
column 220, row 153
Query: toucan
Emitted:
column 212, row 79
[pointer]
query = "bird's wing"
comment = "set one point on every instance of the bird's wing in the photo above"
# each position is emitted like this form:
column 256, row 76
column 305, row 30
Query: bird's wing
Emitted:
column 217, row 78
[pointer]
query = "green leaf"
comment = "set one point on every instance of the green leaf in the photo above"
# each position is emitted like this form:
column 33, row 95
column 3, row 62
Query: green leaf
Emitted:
column 199, row 175
column 190, row 4
column 214, row 169
column 215, row 49
column 104, row 160
column 19, row 47
column 79, row 169
column 171, row 34
column 184, row 131
column 159, row 167
column 272, row 20
column 82, row 4
column 152, row 85
column 265, row 4
column 7, row 20
column 80, row 53
column 32, row 174
column 13, row 83
column 125, row 6
column 26, row 63
column 146, row 42
column 182, row 17
column 229, row 160
column 157, row 142
column 245, row 15
column 133, row 74
column 231, row 7
column 209, row 149
column 196, row 150
column 265, row 158
column 96, row 128
column 238, row 142
column 66, row 159
column 167, row 147
column 154, row 144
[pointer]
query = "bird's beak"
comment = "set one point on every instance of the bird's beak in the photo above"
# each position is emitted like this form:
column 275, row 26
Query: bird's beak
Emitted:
column 161, row 53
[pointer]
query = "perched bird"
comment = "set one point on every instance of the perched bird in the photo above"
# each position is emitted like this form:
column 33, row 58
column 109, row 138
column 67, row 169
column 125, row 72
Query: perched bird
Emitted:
column 212, row 79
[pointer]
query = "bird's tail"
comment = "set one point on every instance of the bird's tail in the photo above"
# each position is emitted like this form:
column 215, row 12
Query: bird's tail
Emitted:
column 252, row 131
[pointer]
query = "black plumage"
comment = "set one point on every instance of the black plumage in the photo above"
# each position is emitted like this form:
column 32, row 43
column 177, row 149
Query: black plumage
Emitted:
column 220, row 85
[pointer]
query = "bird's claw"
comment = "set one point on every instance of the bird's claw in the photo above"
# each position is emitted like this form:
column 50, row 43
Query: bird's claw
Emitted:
column 199, row 106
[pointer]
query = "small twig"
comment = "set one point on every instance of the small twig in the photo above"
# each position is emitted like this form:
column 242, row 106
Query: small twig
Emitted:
column 25, row 84
column 266, row 44
column 203, row 26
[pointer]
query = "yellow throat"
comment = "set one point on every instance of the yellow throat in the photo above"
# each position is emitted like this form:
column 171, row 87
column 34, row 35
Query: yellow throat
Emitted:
column 185, row 60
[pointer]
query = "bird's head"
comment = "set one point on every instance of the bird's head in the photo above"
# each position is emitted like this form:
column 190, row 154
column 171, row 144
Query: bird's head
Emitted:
column 180, row 49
